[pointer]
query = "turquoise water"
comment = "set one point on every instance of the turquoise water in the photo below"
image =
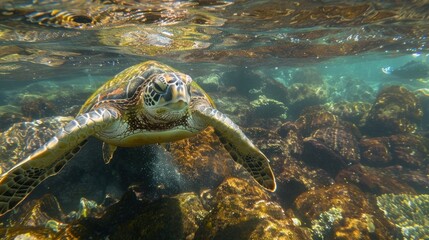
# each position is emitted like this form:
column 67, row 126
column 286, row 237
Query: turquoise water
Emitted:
column 334, row 93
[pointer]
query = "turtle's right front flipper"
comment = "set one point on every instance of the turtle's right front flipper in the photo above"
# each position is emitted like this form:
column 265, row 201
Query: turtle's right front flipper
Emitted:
column 48, row 160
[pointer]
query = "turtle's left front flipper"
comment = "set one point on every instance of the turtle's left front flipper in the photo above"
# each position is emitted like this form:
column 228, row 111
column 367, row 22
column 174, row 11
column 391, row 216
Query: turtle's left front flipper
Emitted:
column 239, row 146
column 48, row 160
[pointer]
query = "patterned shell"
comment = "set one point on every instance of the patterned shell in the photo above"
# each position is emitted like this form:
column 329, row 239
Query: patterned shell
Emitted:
column 125, row 84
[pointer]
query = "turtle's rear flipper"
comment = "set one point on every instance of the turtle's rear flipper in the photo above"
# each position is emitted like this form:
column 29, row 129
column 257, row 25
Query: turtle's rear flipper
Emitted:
column 239, row 146
column 49, row 159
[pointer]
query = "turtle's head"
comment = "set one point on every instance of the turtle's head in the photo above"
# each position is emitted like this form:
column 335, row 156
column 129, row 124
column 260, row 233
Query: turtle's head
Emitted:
column 167, row 95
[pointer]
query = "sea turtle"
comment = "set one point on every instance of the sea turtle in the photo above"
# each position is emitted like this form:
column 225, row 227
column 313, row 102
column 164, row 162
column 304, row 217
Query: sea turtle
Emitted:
column 144, row 104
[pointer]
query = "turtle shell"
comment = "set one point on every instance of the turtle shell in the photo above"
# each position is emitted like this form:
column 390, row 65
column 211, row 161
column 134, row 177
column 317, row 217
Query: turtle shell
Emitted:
column 126, row 83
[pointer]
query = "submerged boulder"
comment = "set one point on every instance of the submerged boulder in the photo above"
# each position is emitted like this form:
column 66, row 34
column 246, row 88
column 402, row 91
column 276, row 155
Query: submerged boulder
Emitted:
column 396, row 110
column 244, row 211
column 342, row 212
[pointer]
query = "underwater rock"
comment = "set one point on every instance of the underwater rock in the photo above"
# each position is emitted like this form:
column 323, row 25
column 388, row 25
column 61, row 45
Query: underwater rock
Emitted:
column 423, row 95
column 290, row 133
column 26, row 233
column 314, row 119
column 293, row 176
column 236, row 107
column 202, row 159
column 264, row 107
column 354, row 112
column 37, row 219
column 38, row 212
column 237, row 186
column 410, row 213
column 272, row 145
column 408, row 150
column 342, row 212
column 252, row 84
column 176, row 217
column 417, row 179
column 375, row 152
column 24, row 138
column 119, row 213
column 375, row 180
column 37, row 107
column 209, row 83
column 301, row 96
column 396, row 110
column 9, row 115
column 331, row 148
column 349, row 89
column 297, row 178
column 242, row 211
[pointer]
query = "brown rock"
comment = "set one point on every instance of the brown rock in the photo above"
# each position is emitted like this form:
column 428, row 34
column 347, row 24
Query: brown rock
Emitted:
column 396, row 110
column 375, row 180
column 243, row 211
column 375, row 151
column 331, row 148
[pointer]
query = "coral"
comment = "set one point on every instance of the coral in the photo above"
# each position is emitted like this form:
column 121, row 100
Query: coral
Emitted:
column 322, row 208
column 410, row 213
column 396, row 110
column 265, row 107
column 323, row 225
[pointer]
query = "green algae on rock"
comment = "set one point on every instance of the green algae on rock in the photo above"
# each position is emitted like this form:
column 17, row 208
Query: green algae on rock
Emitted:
column 410, row 213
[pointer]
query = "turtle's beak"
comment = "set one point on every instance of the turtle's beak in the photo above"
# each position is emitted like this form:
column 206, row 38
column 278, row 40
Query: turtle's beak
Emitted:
column 177, row 96
column 179, row 105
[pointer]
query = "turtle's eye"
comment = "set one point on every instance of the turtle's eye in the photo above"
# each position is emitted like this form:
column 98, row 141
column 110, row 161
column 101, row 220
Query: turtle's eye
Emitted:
column 159, row 86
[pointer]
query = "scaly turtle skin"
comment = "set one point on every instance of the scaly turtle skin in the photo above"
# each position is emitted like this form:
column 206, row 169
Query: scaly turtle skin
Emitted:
column 144, row 104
